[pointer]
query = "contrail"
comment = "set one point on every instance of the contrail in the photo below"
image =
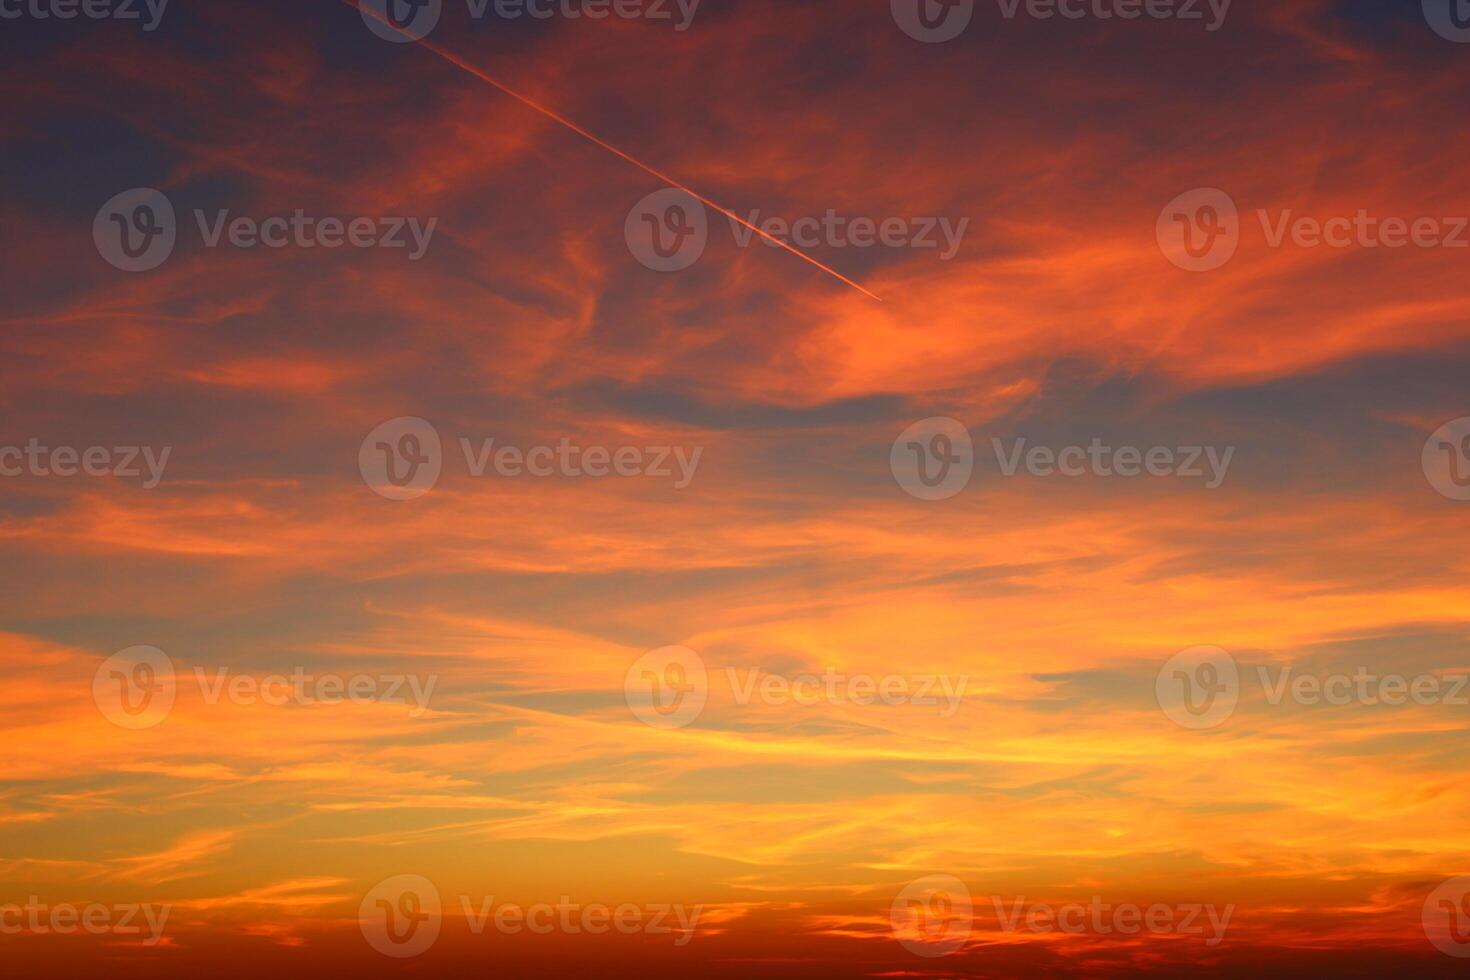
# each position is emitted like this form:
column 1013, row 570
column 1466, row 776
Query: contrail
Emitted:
column 460, row 63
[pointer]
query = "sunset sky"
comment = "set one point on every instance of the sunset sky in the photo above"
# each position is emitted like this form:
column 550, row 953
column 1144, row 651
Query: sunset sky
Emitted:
column 780, row 536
